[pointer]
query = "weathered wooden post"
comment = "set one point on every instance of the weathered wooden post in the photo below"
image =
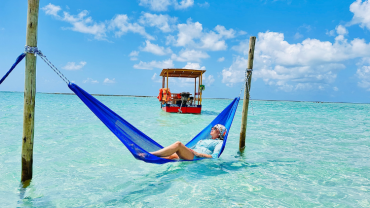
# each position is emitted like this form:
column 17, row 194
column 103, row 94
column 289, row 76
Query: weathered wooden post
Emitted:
column 247, row 89
column 29, row 92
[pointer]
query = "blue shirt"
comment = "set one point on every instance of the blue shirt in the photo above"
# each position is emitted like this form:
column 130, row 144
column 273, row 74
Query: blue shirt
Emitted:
column 209, row 147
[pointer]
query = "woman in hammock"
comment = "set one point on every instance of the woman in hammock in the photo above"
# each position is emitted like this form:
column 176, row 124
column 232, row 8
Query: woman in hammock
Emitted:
column 209, row 148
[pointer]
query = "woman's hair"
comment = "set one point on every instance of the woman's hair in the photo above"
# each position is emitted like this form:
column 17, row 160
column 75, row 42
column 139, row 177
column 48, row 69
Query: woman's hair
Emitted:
column 222, row 130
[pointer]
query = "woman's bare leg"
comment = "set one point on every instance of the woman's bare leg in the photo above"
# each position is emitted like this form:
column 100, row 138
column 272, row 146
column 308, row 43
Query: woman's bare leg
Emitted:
column 174, row 156
column 180, row 149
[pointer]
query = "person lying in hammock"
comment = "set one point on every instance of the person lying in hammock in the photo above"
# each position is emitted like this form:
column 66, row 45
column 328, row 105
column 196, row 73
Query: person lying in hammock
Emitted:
column 209, row 148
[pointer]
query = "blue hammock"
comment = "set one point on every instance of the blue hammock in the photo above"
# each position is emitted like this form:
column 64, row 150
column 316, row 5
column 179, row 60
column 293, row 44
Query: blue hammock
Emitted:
column 139, row 144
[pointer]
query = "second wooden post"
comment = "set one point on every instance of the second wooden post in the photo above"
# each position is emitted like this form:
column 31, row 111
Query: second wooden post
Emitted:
column 247, row 89
column 29, row 92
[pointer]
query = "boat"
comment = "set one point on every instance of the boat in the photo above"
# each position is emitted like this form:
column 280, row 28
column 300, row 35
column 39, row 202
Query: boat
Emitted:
column 181, row 102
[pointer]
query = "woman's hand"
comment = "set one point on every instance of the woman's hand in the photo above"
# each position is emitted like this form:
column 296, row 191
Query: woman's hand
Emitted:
column 200, row 154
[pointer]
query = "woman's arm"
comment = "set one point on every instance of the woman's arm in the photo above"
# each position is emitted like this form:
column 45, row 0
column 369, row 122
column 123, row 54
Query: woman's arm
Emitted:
column 201, row 154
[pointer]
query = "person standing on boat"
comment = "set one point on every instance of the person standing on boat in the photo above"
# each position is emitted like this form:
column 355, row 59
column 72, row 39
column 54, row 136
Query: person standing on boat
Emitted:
column 208, row 148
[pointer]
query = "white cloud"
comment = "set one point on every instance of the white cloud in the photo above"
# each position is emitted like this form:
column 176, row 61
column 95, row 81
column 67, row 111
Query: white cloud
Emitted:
column 74, row 66
column 363, row 73
column 221, row 59
column 310, row 51
column 80, row 23
column 188, row 32
column 109, row 81
column 89, row 80
column 51, row 9
column 341, row 30
column 208, row 80
column 191, row 65
column 156, row 5
column 84, row 24
column 309, row 64
column 155, row 49
column 335, row 88
column 134, row 55
column 163, row 22
column 162, row 5
column 330, row 33
column 155, row 78
column 205, row 4
column 190, row 55
column 154, row 64
column 212, row 40
column 236, row 72
column 121, row 22
column 183, row 4
column 224, row 32
column 361, row 13
column 298, row 36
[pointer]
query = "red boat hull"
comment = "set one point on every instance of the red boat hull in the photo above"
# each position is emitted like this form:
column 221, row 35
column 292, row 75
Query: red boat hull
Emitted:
column 184, row 109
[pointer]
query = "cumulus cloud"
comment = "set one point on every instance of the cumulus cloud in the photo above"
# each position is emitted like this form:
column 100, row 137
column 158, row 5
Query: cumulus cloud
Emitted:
column 154, row 64
column 361, row 13
column 83, row 23
column 109, row 81
column 90, row 80
column 221, row 59
column 162, row 5
column 341, row 30
column 310, row 51
column 163, row 22
column 74, row 66
column 191, row 65
column 155, row 49
column 51, row 9
column 80, row 23
column 363, row 73
column 133, row 55
column 309, row 64
column 123, row 25
column 188, row 32
column 192, row 31
column 183, row 4
column 190, row 55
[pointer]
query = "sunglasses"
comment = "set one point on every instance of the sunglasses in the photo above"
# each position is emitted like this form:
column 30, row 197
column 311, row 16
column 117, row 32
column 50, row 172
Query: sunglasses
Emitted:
column 214, row 128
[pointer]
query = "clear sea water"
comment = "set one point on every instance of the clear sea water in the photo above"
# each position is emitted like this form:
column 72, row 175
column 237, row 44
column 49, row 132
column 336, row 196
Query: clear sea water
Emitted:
column 298, row 154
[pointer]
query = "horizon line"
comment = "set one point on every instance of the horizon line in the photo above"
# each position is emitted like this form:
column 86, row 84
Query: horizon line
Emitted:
column 60, row 93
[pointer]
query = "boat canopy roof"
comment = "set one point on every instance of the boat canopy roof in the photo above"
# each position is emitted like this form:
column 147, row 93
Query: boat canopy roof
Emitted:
column 183, row 73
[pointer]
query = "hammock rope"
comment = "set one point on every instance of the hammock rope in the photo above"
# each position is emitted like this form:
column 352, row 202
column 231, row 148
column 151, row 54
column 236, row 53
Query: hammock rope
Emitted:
column 139, row 144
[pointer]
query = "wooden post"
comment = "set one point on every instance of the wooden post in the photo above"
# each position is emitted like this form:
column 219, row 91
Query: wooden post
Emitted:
column 29, row 92
column 200, row 91
column 163, row 82
column 195, row 89
column 247, row 89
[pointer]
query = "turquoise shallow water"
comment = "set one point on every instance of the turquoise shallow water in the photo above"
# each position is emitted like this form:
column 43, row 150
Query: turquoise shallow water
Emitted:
column 298, row 154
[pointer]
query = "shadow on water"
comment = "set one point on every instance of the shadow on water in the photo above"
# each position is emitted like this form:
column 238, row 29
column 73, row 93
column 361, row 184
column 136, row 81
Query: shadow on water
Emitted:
column 28, row 201
column 156, row 183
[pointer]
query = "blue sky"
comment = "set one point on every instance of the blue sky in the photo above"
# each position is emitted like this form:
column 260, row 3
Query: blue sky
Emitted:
column 305, row 50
